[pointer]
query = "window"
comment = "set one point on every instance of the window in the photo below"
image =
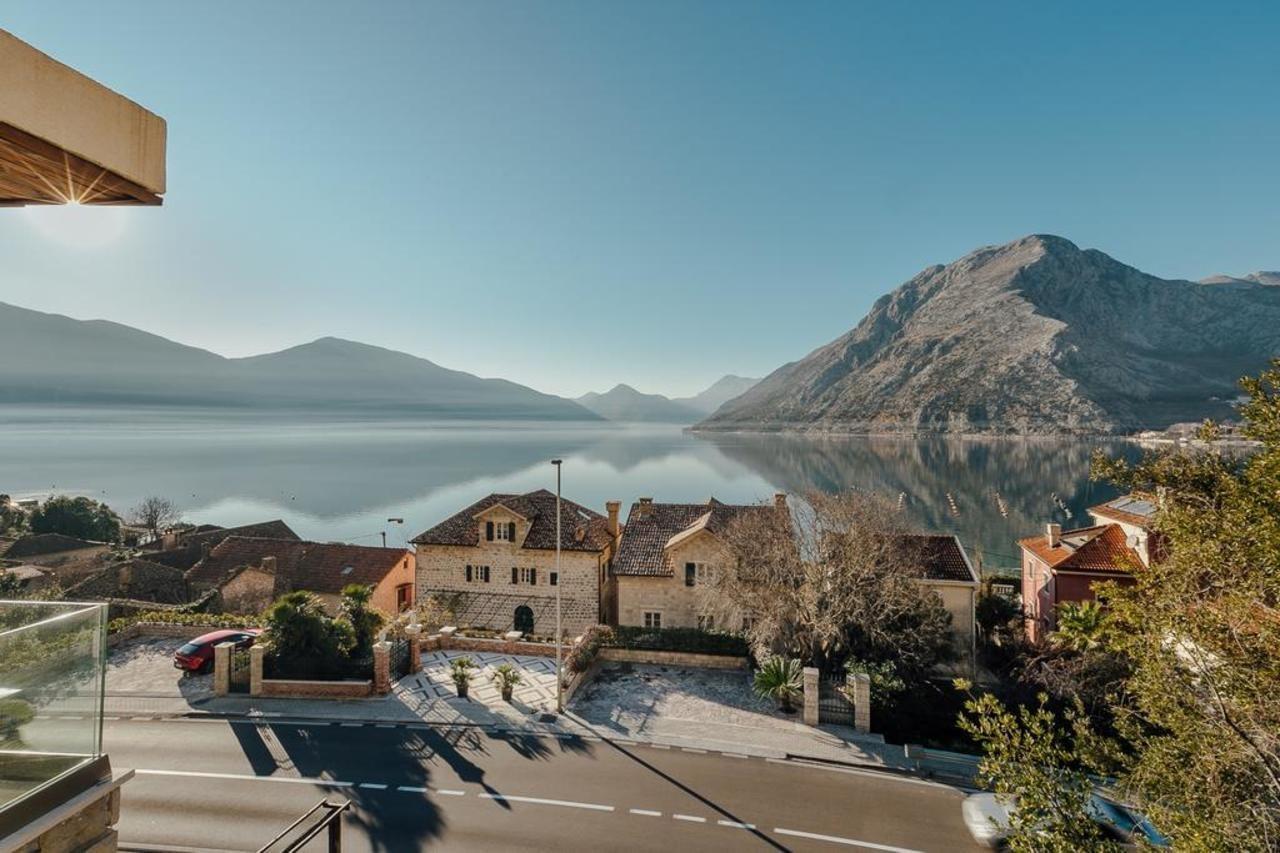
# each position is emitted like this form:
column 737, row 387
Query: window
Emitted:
column 555, row 579
column 488, row 531
column 477, row 574
column 404, row 597
column 652, row 619
column 529, row 576
column 501, row 533
column 698, row 573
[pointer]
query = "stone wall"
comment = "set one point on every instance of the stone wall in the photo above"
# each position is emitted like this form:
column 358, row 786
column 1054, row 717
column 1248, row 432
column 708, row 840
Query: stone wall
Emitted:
column 299, row 689
column 498, row 647
column 664, row 658
column 442, row 570
column 679, row 604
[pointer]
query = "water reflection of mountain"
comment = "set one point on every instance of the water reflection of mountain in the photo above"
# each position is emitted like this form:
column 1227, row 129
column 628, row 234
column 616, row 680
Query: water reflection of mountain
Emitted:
column 945, row 483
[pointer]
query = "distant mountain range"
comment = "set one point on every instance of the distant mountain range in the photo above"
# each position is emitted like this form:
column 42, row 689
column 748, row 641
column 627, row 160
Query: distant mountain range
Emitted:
column 624, row 403
column 1268, row 277
column 1033, row 337
column 49, row 358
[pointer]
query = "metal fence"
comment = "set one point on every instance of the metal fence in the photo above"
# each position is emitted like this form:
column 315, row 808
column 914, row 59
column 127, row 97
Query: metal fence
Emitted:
column 834, row 706
column 399, row 657
column 238, row 674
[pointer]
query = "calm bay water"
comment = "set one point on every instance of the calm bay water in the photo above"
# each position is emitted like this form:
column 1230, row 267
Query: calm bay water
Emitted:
column 341, row 480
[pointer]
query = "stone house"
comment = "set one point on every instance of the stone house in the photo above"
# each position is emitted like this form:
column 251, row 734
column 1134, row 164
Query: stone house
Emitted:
column 1062, row 566
column 137, row 580
column 493, row 563
column 183, row 548
column 947, row 572
column 68, row 558
column 667, row 552
column 250, row 573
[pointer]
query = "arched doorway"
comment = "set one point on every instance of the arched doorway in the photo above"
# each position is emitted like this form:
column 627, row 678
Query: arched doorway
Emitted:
column 524, row 619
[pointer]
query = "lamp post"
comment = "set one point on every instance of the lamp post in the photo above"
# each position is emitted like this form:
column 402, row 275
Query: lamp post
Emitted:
column 384, row 533
column 559, row 675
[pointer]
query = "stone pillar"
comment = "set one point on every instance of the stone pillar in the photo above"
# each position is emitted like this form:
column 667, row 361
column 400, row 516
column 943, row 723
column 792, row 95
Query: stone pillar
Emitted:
column 222, row 668
column 859, row 685
column 810, row 696
column 256, row 654
column 382, row 668
column 446, row 636
column 414, row 633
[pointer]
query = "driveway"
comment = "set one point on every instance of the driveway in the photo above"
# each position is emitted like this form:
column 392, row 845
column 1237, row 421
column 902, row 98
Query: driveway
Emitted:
column 535, row 693
column 141, row 679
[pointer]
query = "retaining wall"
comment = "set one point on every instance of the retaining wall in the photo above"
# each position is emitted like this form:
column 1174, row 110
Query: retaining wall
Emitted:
column 664, row 658
column 299, row 689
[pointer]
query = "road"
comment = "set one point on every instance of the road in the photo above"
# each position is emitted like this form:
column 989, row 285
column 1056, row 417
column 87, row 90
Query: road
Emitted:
column 232, row 785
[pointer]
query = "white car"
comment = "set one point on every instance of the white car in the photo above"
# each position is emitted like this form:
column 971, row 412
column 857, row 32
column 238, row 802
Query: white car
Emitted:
column 986, row 816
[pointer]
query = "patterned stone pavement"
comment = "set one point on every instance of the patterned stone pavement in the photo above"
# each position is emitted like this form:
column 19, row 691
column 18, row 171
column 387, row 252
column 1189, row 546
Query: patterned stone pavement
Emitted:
column 535, row 693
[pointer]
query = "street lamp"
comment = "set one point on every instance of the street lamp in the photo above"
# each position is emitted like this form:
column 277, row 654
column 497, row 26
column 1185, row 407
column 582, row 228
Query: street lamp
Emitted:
column 384, row 533
column 559, row 675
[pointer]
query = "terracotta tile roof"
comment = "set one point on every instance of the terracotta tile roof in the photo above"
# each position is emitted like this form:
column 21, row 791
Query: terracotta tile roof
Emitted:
column 650, row 526
column 582, row 529
column 138, row 579
column 324, row 567
column 39, row 544
column 1131, row 509
column 1103, row 548
column 943, row 558
column 191, row 545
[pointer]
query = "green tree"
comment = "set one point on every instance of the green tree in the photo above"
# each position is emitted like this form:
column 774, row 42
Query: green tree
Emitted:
column 780, row 679
column 365, row 620
column 10, row 585
column 81, row 517
column 13, row 521
column 1035, row 763
column 1081, row 626
column 303, row 639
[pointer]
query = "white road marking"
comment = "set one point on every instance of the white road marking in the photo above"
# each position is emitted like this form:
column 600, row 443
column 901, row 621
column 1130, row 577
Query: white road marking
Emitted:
column 693, row 749
column 596, row 807
column 733, row 824
column 851, row 842
column 645, row 812
column 883, row 775
column 247, row 777
column 384, row 725
column 734, row 755
column 660, row 745
column 690, row 818
column 376, row 786
column 449, row 792
column 412, row 789
column 351, row 725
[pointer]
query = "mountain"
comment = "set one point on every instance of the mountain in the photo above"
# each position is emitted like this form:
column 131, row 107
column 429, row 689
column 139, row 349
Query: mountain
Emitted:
column 1033, row 337
column 624, row 403
column 1268, row 277
column 49, row 358
column 721, row 391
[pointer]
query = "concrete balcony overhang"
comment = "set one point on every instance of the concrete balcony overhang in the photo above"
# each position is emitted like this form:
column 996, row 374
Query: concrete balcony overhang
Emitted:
column 66, row 139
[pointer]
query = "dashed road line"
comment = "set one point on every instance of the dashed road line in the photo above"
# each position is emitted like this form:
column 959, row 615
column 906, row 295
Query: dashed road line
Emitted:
column 597, row 807
column 373, row 786
column 734, row 755
column 449, row 792
column 848, row 842
column 690, row 818
column 248, row 777
column 693, row 749
column 645, row 812
column 411, row 789
column 735, row 824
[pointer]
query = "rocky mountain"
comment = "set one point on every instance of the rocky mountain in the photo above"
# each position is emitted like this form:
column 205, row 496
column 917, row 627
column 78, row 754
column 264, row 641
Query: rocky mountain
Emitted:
column 721, row 391
column 1267, row 277
column 624, row 403
column 49, row 358
column 1033, row 337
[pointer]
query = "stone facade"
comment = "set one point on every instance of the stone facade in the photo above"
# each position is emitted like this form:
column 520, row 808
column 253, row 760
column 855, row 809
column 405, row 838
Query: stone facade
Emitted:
column 678, row 604
column 442, row 571
column 250, row 591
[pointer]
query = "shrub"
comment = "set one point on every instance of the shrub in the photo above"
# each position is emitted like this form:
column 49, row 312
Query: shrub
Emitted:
column 583, row 654
column 304, row 642
column 689, row 640
column 460, row 672
column 365, row 620
column 780, row 679
column 179, row 617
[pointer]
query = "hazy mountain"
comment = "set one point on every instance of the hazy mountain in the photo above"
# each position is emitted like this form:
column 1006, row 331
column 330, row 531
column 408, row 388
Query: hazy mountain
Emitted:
column 721, row 391
column 1035, row 337
column 624, row 403
column 1267, row 277
column 46, row 358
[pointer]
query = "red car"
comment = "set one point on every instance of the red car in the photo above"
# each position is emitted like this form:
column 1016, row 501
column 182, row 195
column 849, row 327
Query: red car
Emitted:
column 197, row 655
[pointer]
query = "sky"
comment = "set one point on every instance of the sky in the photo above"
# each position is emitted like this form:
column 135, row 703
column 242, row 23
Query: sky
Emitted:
column 576, row 194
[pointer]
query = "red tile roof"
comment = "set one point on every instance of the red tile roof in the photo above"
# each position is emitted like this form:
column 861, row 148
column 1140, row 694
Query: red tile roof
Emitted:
column 581, row 529
column 651, row 525
column 324, row 567
column 1103, row 548
column 943, row 558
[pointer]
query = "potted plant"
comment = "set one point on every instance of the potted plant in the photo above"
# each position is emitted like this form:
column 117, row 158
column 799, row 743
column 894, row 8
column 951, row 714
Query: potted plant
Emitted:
column 782, row 680
column 462, row 675
column 506, row 677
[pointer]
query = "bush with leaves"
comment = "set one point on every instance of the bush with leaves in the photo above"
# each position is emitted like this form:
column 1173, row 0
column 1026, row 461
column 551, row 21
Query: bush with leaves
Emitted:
column 356, row 609
column 780, row 679
column 304, row 642
column 81, row 517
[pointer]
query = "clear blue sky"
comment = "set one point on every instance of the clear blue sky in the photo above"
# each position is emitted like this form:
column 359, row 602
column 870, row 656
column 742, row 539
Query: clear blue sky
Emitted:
column 573, row 194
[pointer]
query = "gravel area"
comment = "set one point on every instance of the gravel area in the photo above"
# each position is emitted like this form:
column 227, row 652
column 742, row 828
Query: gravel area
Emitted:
column 143, row 667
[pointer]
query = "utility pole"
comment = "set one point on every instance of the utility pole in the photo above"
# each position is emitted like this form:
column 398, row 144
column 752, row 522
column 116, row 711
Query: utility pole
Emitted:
column 559, row 674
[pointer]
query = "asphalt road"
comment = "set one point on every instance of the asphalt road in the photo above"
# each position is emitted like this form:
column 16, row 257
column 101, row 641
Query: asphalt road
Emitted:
column 232, row 785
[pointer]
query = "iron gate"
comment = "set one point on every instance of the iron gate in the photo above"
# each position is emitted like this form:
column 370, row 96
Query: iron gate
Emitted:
column 399, row 657
column 833, row 705
column 238, row 673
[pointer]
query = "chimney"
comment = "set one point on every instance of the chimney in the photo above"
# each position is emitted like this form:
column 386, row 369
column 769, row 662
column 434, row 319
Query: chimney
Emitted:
column 269, row 565
column 612, row 508
column 1053, row 534
column 205, row 548
column 646, row 506
column 780, row 500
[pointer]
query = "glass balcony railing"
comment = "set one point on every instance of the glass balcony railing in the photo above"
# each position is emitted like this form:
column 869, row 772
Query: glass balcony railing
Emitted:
column 52, row 679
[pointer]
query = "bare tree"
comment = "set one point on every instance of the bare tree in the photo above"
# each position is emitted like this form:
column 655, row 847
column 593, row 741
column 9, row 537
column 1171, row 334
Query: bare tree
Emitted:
column 835, row 578
column 156, row 514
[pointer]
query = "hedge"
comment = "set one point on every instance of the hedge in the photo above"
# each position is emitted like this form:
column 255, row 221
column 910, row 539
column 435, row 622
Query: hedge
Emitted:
column 174, row 617
column 677, row 640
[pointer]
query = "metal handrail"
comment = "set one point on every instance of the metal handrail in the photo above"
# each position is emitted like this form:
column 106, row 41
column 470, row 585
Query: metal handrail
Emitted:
column 329, row 821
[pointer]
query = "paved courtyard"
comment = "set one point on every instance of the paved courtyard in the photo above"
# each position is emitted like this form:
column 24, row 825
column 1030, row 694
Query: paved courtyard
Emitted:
column 535, row 693
column 141, row 678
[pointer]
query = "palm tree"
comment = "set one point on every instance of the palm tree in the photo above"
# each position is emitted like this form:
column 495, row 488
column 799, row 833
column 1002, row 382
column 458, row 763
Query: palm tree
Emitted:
column 780, row 679
column 461, row 674
column 506, row 677
column 1081, row 626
